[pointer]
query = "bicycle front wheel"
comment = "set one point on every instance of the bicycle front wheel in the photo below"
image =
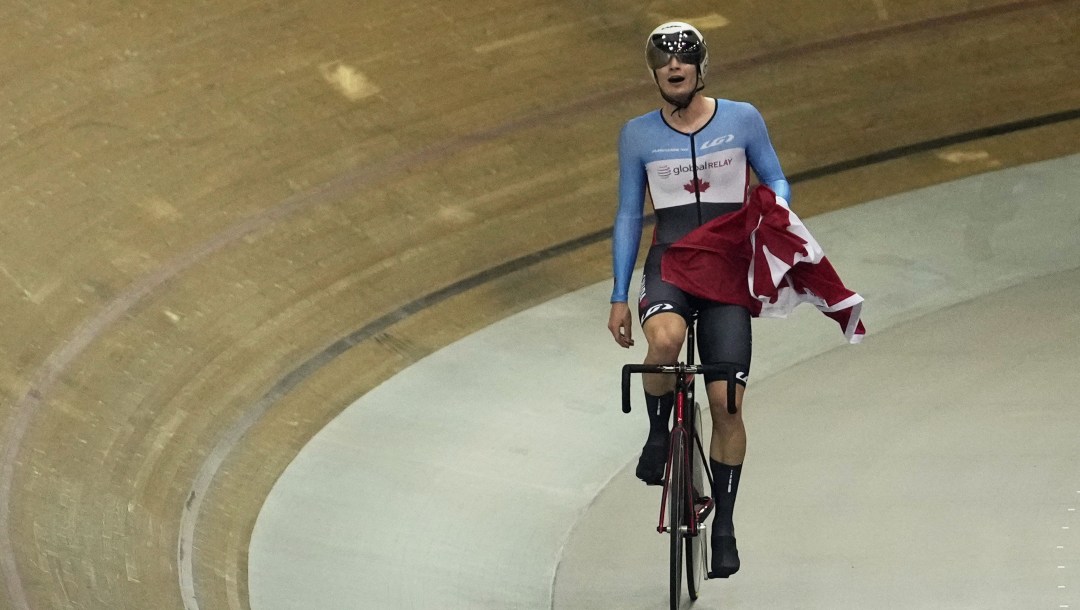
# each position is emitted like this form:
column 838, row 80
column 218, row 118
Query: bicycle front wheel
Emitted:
column 677, row 515
column 697, row 548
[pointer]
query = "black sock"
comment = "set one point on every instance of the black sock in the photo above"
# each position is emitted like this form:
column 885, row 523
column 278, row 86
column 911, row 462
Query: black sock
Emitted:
column 725, row 488
column 659, row 408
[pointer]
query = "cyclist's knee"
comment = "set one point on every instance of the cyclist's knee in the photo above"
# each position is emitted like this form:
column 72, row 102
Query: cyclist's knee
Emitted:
column 719, row 408
column 665, row 337
column 719, row 399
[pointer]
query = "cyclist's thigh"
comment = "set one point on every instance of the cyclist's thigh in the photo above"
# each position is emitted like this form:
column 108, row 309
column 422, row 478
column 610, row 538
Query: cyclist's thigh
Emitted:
column 658, row 296
column 724, row 337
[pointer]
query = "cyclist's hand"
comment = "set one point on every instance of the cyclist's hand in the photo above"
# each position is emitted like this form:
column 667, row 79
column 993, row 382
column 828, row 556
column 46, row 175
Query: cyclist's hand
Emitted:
column 619, row 324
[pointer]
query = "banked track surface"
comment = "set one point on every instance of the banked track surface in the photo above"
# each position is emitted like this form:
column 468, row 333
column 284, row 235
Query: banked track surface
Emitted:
column 156, row 297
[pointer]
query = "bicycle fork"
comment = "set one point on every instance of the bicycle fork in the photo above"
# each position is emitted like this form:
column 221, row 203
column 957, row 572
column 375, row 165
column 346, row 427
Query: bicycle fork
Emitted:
column 703, row 504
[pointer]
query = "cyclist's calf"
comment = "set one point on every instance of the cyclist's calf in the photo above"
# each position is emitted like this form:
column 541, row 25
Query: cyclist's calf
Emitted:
column 725, row 402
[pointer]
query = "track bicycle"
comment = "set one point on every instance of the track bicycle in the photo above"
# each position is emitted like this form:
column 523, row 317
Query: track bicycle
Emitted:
column 686, row 502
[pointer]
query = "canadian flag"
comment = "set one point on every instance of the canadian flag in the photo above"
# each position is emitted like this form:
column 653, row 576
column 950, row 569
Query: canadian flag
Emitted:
column 763, row 258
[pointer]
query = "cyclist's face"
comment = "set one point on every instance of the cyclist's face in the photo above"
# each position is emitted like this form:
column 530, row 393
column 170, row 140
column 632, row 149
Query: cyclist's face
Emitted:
column 677, row 79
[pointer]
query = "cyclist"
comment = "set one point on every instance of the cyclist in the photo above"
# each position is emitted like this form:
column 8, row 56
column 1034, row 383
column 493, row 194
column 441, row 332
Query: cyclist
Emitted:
column 693, row 155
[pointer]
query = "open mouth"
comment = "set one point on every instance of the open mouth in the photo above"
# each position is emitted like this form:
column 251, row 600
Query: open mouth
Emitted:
column 676, row 79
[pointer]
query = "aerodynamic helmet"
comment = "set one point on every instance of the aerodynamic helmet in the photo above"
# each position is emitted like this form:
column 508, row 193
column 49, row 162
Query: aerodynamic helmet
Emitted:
column 680, row 40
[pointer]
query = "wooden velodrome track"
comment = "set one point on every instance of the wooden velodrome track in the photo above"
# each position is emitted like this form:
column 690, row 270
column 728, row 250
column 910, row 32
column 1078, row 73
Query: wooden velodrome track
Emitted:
column 223, row 222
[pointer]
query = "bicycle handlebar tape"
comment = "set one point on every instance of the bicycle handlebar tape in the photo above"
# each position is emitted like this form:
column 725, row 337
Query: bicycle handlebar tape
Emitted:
column 731, row 407
column 730, row 372
column 627, row 370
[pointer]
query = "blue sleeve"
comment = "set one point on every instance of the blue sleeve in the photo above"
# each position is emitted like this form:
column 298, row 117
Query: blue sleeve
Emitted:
column 628, row 218
column 762, row 157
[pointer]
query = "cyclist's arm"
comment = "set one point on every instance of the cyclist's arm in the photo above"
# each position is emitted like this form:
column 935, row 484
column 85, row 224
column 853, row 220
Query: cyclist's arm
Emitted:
column 628, row 218
column 762, row 157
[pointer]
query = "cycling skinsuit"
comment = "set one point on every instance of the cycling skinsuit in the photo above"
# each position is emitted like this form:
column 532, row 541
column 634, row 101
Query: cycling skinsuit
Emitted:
column 692, row 178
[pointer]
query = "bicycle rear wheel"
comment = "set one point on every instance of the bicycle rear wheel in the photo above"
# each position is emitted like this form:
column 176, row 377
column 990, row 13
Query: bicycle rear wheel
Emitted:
column 697, row 547
column 677, row 515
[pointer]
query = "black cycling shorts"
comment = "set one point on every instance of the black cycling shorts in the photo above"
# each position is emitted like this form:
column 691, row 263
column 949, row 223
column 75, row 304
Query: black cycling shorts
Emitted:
column 723, row 330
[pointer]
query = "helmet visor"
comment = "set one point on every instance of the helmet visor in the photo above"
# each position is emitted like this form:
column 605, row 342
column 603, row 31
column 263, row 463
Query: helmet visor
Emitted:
column 684, row 46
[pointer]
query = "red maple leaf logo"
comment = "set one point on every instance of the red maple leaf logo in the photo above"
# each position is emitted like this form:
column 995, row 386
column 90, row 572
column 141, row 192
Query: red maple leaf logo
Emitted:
column 696, row 186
